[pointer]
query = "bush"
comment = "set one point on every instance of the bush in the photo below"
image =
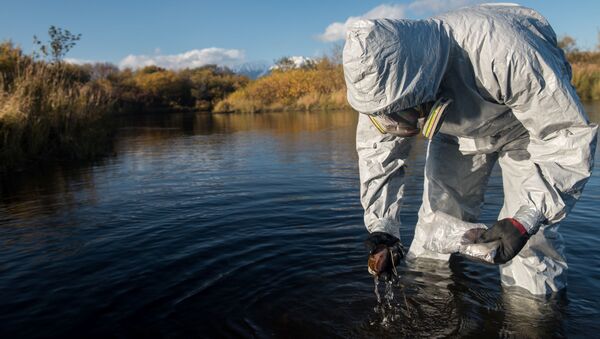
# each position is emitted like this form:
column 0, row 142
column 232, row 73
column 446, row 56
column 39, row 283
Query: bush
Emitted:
column 153, row 88
column 309, row 88
column 162, row 88
column 586, row 79
column 211, row 84
column 584, row 57
column 47, row 111
column 12, row 61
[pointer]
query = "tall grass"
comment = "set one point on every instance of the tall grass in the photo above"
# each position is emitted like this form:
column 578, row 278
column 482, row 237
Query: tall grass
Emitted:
column 46, row 114
column 57, row 110
column 586, row 79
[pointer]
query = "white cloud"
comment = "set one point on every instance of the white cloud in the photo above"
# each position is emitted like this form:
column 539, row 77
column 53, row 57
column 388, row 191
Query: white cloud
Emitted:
column 79, row 61
column 189, row 59
column 386, row 11
column 437, row 6
column 337, row 30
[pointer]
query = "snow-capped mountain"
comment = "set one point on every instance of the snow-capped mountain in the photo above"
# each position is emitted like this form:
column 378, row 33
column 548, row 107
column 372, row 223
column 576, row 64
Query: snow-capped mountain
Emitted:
column 258, row 69
column 252, row 70
column 292, row 62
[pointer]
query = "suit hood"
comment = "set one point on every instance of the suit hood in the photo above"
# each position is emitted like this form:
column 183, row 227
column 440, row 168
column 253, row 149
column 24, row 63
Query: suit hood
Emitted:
column 391, row 65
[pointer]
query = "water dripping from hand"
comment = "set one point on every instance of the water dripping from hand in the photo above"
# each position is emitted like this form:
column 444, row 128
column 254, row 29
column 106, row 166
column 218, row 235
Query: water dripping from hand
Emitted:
column 387, row 309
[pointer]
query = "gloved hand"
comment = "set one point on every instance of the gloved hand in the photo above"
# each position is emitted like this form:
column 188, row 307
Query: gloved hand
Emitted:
column 385, row 251
column 512, row 236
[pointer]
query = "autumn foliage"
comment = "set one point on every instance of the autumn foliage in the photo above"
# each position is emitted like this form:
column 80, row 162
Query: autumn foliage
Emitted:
column 48, row 111
column 52, row 109
column 586, row 74
column 318, row 86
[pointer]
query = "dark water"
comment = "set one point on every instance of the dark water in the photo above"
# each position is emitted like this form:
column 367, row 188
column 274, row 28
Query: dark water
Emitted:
column 250, row 226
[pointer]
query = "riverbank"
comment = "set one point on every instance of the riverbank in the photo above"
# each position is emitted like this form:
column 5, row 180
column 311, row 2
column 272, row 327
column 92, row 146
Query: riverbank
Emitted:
column 52, row 110
column 319, row 86
column 47, row 112
column 586, row 74
column 55, row 110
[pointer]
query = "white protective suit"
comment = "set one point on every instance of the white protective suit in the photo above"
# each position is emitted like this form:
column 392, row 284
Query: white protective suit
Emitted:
column 513, row 102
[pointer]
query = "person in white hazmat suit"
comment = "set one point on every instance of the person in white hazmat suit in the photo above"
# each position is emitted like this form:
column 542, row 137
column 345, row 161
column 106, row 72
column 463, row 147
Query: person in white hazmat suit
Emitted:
column 501, row 92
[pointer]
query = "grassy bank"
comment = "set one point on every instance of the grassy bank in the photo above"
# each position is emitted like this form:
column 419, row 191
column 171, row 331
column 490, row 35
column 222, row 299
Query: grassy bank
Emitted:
column 586, row 74
column 320, row 86
column 53, row 110
column 47, row 112
column 50, row 109
column 155, row 89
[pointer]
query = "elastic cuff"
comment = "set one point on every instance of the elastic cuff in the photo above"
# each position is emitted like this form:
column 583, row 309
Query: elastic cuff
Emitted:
column 530, row 218
column 519, row 226
column 391, row 227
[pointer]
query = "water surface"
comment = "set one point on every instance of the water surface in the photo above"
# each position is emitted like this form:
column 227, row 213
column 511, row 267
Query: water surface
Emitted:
column 245, row 226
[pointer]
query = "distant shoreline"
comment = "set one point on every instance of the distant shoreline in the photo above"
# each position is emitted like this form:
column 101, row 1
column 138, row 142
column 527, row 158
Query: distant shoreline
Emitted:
column 56, row 110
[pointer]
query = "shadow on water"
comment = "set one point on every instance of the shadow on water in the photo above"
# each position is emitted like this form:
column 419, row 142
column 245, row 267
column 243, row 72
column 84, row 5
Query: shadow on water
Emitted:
column 250, row 225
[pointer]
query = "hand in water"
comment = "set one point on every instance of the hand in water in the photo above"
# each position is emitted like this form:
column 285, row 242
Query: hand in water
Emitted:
column 385, row 252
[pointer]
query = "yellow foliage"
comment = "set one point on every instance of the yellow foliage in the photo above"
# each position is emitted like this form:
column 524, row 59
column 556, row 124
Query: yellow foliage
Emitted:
column 322, row 87
column 296, row 89
column 44, row 113
column 586, row 79
column 164, row 85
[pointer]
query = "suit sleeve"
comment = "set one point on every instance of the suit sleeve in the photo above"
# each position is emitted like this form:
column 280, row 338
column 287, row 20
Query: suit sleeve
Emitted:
column 381, row 163
column 535, row 81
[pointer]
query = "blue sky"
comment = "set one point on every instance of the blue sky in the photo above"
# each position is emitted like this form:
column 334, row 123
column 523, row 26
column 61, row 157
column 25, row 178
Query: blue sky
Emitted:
column 177, row 33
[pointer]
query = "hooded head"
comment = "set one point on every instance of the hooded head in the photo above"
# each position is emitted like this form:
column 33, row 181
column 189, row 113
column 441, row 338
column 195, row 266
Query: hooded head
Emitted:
column 393, row 65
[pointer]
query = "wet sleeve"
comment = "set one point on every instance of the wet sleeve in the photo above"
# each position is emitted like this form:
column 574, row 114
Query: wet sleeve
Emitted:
column 535, row 82
column 381, row 163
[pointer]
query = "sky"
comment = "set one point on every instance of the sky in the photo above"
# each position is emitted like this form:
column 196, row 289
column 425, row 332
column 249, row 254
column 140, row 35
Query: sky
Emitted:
column 177, row 34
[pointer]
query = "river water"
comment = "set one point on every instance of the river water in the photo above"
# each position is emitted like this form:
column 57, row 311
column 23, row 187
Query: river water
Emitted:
column 250, row 226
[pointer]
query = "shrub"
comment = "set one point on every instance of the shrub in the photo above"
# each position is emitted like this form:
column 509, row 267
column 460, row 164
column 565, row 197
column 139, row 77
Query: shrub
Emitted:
column 46, row 114
column 586, row 79
column 308, row 88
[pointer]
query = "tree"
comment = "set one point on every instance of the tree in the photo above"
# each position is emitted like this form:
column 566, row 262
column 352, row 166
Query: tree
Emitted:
column 212, row 83
column 568, row 44
column 60, row 43
column 151, row 69
column 162, row 88
column 101, row 70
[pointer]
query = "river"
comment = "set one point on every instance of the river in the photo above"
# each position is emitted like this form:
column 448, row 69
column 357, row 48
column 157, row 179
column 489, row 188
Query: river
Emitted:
column 250, row 226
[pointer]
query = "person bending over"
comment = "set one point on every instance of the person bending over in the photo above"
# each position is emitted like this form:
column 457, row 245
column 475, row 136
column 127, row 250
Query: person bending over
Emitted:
column 485, row 84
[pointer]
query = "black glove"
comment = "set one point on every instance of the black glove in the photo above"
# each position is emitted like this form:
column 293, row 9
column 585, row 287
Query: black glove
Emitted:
column 512, row 236
column 385, row 251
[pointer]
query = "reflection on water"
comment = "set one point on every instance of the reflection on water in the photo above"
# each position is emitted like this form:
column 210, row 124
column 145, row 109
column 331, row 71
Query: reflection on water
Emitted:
column 250, row 225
